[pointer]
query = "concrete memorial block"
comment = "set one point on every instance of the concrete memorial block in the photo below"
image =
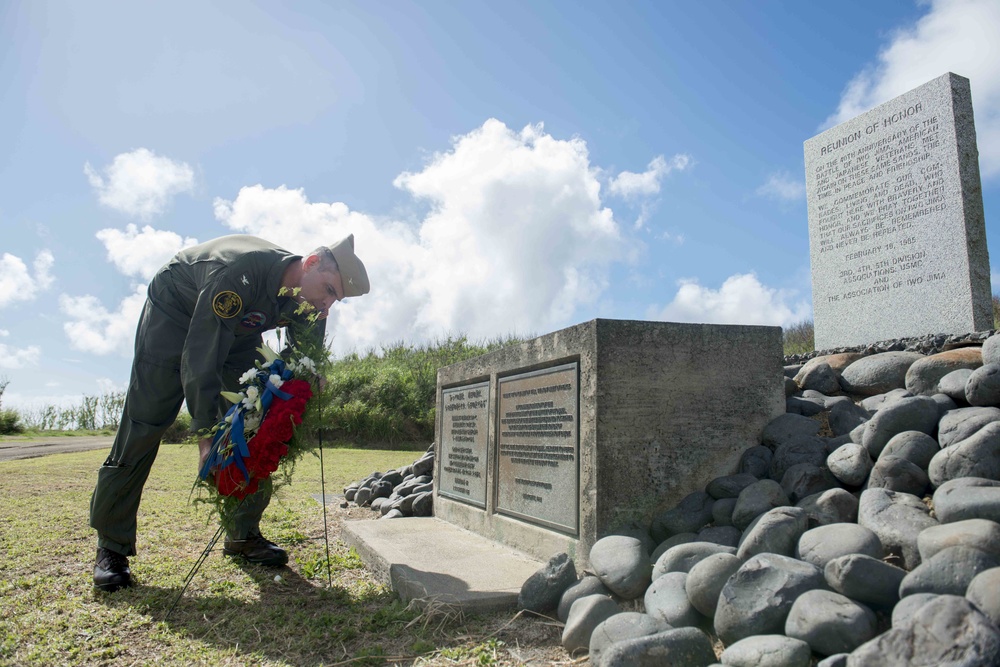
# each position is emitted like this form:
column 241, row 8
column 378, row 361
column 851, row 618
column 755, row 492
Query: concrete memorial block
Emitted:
column 897, row 234
column 598, row 426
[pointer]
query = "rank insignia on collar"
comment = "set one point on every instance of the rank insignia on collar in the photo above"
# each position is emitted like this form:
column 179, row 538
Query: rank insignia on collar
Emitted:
column 244, row 280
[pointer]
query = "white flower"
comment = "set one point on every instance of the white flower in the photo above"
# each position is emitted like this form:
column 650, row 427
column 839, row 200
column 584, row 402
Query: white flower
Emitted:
column 248, row 376
column 251, row 423
column 252, row 393
column 308, row 364
column 276, row 381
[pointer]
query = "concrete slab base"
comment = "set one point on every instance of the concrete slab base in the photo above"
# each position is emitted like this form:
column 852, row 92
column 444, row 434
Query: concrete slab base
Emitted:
column 432, row 561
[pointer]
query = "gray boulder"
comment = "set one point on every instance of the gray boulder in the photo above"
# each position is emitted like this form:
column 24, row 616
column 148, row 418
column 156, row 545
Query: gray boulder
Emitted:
column 822, row 544
column 588, row 585
column 904, row 612
column 897, row 474
column 767, row 651
column 688, row 516
column 819, row 377
column 980, row 534
column 838, row 660
column 957, row 425
column 728, row 536
column 622, row 564
column 722, row 511
column 897, row 518
column 667, row 599
column 923, row 376
column 982, row 592
column 865, row 579
column 875, row 403
column 729, row 486
column 833, row 506
column 845, row 416
column 683, row 557
column 423, row 503
column 806, row 479
column 914, row 446
column 672, row 541
column 757, row 598
column 878, row 373
column 586, row 614
column 542, row 590
column 948, row 630
column 705, row 581
column 756, row 461
column 620, row 627
column 681, row 647
column 776, row 531
column 983, row 386
column 953, row 384
column 991, row 350
column 976, row 456
column 850, row 464
column 756, row 499
column 917, row 413
column 788, row 428
column 830, row 622
column 968, row 498
column 948, row 572
column 806, row 450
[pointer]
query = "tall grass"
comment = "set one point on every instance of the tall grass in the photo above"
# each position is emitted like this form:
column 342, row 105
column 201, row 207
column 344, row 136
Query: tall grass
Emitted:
column 93, row 413
column 388, row 397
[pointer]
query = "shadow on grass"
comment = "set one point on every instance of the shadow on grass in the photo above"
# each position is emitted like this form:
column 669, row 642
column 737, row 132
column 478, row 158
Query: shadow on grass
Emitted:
column 293, row 620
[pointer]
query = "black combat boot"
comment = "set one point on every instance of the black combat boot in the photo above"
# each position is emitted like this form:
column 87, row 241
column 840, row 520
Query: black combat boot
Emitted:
column 256, row 549
column 111, row 571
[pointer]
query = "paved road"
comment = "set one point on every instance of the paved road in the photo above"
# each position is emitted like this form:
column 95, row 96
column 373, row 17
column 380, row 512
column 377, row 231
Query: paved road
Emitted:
column 24, row 448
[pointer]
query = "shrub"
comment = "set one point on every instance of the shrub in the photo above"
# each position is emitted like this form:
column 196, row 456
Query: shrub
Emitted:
column 798, row 338
column 179, row 431
column 10, row 422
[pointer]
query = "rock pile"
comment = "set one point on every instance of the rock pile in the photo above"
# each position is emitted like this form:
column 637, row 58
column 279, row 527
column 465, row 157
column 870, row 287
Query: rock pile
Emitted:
column 863, row 530
column 397, row 493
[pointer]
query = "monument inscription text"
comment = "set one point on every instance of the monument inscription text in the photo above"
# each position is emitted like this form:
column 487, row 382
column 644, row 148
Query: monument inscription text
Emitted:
column 464, row 443
column 538, row 447
column 896, row 241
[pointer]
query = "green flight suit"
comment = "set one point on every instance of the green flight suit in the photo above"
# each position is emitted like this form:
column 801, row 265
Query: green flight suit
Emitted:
column 202, row 322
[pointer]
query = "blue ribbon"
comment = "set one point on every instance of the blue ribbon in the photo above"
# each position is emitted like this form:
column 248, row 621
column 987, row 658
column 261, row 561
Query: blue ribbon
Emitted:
column 235, row 432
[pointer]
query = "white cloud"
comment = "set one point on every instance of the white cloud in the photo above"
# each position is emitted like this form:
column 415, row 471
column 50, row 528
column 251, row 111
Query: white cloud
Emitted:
column 17, row 283
column 630, row 184
column 19, row 357
column 140, row 183
column 516, row 240
column 92, row 328
column 960, row 36
column 141, row 254
column 742, row 299
column 783, row 187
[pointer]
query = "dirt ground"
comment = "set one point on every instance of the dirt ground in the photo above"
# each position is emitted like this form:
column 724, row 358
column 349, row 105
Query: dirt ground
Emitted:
column 13, row 448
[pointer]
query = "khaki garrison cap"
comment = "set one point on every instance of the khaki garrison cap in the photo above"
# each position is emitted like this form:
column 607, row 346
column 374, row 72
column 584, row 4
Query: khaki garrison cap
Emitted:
column 352, row 271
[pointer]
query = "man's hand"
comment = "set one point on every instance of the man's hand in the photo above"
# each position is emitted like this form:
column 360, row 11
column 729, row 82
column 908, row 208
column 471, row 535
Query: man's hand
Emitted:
column 204, row 448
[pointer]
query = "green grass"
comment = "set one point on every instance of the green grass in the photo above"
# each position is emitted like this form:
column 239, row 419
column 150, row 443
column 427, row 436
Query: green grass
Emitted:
column 230, row 614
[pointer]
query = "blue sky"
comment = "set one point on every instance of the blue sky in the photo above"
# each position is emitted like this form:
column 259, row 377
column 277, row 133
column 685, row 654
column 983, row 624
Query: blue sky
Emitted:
column 505, row 167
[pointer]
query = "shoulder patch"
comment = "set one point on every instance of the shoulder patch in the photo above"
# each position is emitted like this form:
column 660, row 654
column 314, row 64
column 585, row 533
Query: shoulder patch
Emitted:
column 254, row 319
column 227, row 304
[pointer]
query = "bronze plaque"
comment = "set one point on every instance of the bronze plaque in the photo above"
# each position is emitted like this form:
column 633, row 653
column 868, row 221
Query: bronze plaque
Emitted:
column 463, row 443
column 538, row 473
